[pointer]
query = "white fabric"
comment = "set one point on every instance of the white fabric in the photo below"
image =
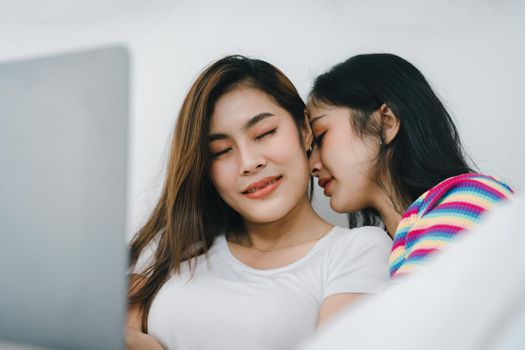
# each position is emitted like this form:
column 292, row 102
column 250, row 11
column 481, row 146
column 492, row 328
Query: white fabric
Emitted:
column 470, row 297
column 229, row 305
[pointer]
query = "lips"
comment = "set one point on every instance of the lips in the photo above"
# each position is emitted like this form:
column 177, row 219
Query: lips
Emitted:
column 262, row 187
column 326, row 183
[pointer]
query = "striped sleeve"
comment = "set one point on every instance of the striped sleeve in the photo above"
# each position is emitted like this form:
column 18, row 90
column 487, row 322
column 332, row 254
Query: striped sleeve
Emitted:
column 453, row 206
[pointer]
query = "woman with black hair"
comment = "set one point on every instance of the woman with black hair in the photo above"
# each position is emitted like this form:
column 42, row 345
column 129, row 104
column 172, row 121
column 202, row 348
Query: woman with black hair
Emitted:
column 387, row 151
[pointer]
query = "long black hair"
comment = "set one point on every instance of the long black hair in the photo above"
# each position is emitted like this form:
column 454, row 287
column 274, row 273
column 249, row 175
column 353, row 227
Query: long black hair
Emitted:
column 427, row 148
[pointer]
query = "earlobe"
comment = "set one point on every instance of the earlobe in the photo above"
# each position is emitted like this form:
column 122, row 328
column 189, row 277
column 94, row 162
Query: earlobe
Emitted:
column 389, row 124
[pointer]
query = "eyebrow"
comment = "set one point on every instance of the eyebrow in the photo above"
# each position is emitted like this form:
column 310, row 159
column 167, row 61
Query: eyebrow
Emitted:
column 250, row 123
column 313, row 120
column 256, row 119
column 215, row 137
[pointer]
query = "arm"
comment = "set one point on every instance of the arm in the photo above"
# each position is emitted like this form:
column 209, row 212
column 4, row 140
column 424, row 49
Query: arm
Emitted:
column 358, row 265
column 335, row 303
column 135, row 338
column 140, row 341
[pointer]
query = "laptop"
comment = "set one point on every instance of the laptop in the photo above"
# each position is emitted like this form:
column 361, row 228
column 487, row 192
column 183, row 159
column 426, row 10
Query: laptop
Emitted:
column 63, row 170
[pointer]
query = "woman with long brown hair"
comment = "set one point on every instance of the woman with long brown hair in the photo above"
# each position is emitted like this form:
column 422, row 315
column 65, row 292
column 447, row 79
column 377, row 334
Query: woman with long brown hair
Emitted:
column 240, row 259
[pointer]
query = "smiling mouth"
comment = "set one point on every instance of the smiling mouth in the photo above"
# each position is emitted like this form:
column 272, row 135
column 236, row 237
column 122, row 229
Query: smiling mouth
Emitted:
column 263, row 187
column 259, row 185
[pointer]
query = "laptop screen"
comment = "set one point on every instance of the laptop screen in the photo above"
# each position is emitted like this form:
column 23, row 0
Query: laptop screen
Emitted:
column 63, row 167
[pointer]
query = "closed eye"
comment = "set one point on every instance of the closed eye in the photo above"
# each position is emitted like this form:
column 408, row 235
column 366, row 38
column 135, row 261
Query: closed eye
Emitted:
column 220, row 153
column 319, row 140
column 268, row 133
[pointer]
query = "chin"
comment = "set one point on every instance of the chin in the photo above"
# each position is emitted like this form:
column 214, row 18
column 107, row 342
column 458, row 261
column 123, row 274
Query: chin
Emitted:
column 337, row 206
column 264, row 218
column 266, row 213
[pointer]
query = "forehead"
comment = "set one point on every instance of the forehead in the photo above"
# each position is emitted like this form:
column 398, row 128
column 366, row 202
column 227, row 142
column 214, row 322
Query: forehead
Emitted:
column 241, row 104
column 315, row 105
column 317, row 109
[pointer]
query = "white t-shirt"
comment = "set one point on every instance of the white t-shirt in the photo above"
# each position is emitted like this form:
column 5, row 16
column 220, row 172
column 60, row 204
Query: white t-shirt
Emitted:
column 229, row 305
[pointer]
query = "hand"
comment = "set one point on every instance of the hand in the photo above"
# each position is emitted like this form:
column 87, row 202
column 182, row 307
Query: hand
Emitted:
column 136, row 340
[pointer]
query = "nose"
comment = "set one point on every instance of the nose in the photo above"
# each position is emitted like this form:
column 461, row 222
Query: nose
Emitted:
column 315, row 162
column 251, row 160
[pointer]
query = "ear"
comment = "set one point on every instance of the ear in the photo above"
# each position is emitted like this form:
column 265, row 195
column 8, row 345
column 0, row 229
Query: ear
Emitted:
column 306, row 132
column 389, row 124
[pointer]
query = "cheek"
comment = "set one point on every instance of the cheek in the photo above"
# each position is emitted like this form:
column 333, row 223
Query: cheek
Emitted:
column 289, row 154
column 335, row 151
column 364, row 152
column 287, row 148
column 221, row 176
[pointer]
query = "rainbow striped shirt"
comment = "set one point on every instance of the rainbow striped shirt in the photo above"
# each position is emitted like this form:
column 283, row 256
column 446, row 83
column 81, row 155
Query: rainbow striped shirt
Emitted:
column 438, row 215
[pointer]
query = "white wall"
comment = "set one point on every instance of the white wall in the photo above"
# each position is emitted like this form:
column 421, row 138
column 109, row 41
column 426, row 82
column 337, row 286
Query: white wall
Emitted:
column 471, row 51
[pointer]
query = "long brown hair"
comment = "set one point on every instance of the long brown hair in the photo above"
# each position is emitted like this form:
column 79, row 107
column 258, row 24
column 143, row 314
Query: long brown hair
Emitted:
column 190, row 213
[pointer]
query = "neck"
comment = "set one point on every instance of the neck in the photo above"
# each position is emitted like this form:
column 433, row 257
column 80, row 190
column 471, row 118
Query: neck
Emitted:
column 385, row 207
column 299, row 225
